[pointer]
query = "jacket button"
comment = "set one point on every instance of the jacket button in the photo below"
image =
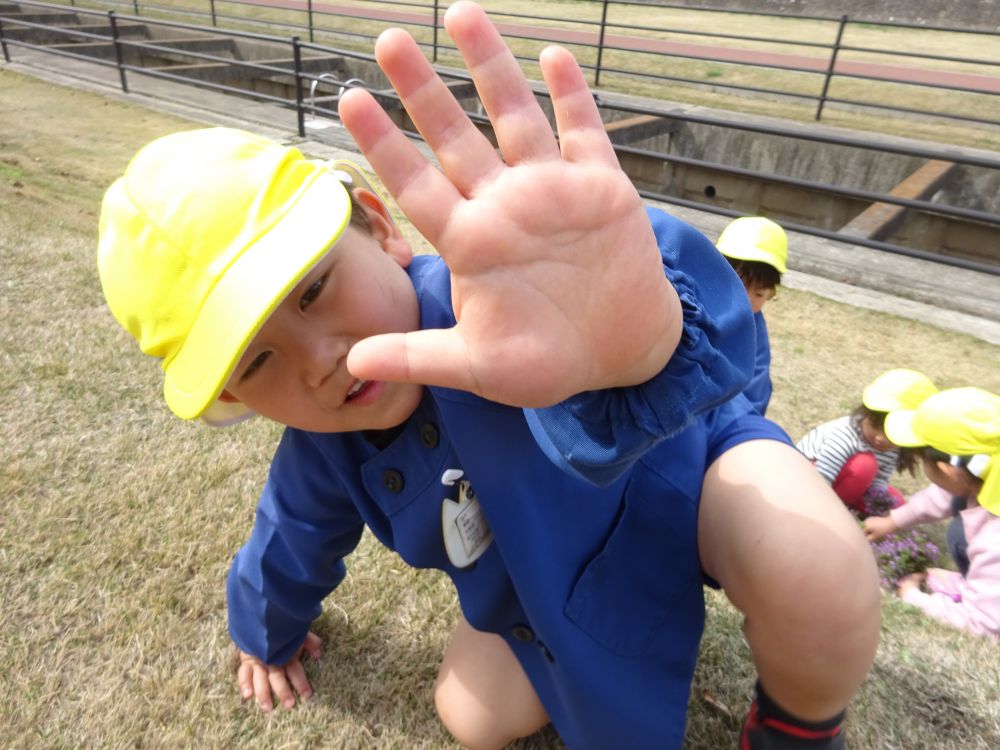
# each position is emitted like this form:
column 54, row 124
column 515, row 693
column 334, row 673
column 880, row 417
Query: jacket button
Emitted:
column 522, row 633
column 393, row 480
column 429, row 435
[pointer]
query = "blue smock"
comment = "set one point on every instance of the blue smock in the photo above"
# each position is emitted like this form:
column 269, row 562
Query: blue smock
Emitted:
column 592, row 576
column 758, row 392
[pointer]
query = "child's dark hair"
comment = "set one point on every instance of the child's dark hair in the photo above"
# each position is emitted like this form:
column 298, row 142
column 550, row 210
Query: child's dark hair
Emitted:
column 928, row 453
column 756, row 274
column 908, row 459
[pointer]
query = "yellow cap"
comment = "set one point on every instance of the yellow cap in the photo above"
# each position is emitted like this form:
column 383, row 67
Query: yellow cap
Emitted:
column 959, row 421
column 755, row 238
column 897, row 389
column 201, row 239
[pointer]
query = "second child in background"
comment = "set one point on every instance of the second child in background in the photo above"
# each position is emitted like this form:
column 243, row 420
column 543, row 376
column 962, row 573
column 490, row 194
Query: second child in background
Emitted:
column 961, row 429
column 853, row 454
column 757, row 249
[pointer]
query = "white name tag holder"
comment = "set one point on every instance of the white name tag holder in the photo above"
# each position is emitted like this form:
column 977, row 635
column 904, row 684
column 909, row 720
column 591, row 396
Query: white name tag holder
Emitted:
column 466, row 533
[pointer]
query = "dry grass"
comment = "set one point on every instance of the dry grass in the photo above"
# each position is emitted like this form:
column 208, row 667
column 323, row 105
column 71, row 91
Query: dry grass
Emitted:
column 119, row 521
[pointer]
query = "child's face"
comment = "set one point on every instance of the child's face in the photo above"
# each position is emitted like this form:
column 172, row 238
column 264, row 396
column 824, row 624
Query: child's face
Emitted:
column 953, row 479
column 294, row 371
column 759, row 295
column 875, row 435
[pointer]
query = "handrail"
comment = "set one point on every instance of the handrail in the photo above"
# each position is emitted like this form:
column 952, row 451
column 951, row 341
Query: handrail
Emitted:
column 302, row 107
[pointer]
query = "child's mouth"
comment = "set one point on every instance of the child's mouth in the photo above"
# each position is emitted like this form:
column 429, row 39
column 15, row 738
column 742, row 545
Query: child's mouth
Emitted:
column 356, row 389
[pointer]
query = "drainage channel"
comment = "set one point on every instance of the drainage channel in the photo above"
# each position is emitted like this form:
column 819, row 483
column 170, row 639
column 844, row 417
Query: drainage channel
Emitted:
column 931, row 203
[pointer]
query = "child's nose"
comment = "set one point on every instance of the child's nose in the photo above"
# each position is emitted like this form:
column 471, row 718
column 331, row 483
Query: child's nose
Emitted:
column 322, row 358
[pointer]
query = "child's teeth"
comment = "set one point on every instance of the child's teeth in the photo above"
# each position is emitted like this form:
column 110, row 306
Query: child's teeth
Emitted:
column 356, row 387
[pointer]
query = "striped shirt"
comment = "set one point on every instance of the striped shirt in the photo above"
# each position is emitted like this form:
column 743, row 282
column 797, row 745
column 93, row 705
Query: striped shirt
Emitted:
column 831, row 444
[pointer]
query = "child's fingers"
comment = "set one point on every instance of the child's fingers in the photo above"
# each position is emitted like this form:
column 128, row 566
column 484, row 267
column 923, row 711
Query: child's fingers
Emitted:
column 523, row 132
column 297, row 676
column 582, row 136
column 313, row 645
column 244, row 678
column 432, row 357
column 426, row 196
column 279, row 685
column 465, row 154
column 262, row 688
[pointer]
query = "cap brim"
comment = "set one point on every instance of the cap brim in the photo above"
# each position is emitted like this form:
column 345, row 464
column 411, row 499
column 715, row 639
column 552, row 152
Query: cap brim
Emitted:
column 752, row 253
column 249, row 292
column 989, row 494
column 899, row 429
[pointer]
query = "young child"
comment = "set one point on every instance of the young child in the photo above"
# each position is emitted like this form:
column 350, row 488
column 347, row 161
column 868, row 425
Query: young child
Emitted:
column 852, row 453
column 962, row 428
column 757, row 249
column 546, row 412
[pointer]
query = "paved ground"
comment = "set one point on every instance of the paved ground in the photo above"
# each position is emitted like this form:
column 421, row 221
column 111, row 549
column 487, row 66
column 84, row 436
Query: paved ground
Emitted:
column 951, row 298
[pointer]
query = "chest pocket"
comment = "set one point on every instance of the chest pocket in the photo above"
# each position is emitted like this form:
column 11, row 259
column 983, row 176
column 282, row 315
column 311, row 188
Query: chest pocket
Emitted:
column 647, row 577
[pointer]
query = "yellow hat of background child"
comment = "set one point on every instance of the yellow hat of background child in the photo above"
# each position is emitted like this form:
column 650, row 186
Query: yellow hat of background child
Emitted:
column 755, row 238
column 201, row 239
column 959, row 421
column 898, row 389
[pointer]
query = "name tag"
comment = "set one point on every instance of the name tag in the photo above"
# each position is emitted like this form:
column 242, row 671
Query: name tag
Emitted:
column 466, row 533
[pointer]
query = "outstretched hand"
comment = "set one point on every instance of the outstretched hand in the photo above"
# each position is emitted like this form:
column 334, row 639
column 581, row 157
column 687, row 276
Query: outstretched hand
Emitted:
column 557, row 282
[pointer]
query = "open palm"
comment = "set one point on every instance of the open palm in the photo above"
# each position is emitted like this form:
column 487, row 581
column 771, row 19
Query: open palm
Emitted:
column 557, row 284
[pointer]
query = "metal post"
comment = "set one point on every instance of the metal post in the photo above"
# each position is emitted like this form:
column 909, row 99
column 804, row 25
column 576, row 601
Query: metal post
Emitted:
column 212, row 6
column 3, row 44
column 309, row 6
column 118, row 50
column 299, row 111
column 437, row 19
column 831, row 66
column 135, row 6
column 600, row 43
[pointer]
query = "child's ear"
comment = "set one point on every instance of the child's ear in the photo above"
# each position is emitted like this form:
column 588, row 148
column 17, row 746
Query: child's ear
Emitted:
column 383, row 228
column 228, row 398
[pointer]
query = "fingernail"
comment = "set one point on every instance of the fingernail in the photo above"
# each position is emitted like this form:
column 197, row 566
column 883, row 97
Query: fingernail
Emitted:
column 247, row 692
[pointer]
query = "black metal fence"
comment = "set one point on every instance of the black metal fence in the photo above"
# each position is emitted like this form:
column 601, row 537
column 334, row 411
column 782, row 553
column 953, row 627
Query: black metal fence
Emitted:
column 300, row 78
column 615, row 49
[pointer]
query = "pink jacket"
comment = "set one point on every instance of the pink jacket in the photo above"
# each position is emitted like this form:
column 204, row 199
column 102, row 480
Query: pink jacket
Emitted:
column 971, row 603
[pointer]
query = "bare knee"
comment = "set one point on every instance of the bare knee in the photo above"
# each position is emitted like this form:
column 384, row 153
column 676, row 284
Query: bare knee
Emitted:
column 482, row 694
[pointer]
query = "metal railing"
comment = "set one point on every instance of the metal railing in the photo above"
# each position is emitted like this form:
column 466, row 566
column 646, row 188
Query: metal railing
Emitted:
column 296, row 75
column 612, row 47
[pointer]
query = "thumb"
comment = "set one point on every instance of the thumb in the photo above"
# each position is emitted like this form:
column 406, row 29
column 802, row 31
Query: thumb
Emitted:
column 432, row 357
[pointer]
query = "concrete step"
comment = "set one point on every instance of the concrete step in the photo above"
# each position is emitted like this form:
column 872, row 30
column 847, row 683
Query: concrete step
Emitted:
column 74, row 32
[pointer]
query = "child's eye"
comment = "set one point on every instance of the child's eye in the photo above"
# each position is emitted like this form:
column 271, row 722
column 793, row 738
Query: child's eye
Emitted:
column 312, row 292
column 255, row 365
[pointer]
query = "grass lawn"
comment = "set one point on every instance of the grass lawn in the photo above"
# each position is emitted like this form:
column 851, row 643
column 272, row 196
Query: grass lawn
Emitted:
column 118, row 521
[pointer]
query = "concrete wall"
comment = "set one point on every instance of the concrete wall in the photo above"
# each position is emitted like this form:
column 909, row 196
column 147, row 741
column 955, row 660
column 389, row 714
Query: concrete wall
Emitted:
column 974, row 14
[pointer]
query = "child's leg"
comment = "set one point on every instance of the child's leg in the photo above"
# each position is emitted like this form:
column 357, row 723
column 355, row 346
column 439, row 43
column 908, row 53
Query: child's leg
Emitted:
column 855, row 478
column 482, row 694
column 795, row 562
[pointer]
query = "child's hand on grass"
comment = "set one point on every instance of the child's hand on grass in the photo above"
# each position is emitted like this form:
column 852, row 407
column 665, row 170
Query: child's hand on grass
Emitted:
column 557, row 281
column 260, row 680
